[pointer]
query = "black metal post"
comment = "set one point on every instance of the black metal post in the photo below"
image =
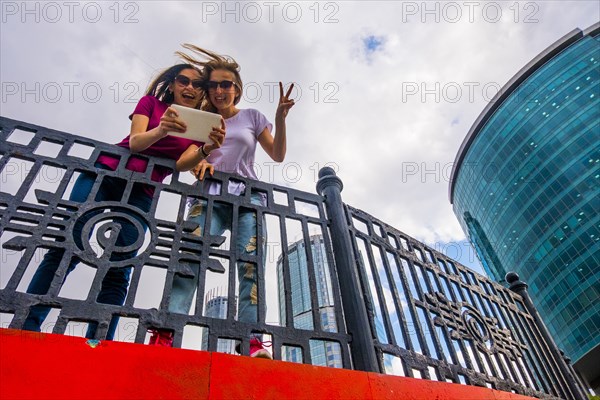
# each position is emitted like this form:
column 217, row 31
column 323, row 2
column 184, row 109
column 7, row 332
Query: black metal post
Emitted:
column 357, row 320
column 574, row 373
column 520, row 287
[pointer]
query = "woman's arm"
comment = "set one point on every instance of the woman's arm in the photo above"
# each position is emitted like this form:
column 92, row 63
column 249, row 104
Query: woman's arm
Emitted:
column 140, row 138
column 275, row 147
column 190, row 157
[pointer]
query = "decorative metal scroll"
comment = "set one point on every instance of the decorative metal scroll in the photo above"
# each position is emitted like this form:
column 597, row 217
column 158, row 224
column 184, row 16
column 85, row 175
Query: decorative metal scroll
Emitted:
column 466, row 322
column 56, row 230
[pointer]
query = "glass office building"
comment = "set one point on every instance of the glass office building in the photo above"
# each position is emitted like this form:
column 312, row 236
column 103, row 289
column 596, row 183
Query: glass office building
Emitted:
column 216, row 307
column 322, row 353
column 526, row 190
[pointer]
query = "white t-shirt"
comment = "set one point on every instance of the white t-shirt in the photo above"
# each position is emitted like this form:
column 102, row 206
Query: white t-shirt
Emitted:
column 236, row 155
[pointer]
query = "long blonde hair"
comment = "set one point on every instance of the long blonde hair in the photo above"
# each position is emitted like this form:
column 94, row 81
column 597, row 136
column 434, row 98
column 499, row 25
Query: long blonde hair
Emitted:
column 212, row 62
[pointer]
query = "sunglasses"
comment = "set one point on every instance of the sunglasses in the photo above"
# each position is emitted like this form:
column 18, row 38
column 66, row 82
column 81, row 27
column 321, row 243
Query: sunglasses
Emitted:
column 184, row 81
column 213, row 85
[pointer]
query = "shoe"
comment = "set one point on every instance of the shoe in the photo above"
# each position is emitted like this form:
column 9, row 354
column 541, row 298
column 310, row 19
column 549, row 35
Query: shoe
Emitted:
column 161, row 337
column 257, row 349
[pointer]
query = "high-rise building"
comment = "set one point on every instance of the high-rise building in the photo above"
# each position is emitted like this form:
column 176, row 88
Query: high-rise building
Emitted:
column 216, row 307
column 525, row 188
column 323, row 353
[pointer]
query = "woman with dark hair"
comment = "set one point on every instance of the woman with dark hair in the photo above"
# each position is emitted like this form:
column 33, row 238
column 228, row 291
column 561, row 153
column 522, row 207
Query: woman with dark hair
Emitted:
column 245, row 129
column 151, row 119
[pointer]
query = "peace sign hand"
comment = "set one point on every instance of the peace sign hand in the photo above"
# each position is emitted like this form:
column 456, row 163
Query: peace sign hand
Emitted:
column 285, row 103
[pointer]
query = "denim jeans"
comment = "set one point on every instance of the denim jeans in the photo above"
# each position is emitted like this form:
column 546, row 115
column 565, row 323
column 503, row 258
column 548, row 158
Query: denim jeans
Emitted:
column 183, row 288
column 114, row 285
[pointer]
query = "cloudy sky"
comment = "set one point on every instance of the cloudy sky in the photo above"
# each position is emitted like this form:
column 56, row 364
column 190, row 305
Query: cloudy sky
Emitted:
column 386, row 90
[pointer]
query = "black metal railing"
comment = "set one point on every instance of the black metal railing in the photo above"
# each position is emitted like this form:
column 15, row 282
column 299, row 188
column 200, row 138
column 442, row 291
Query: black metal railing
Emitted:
column 343, row 289
column 442, row 321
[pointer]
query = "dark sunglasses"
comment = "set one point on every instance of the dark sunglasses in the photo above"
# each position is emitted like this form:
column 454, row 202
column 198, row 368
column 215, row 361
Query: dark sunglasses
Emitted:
column 184, row 81
column 212, row 85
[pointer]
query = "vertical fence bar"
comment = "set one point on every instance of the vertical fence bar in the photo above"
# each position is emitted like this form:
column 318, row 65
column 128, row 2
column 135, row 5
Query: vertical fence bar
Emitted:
column 520, row 287
column 574, row 373
column 357, row 321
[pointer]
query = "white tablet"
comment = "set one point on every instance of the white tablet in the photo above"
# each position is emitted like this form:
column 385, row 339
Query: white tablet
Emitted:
column 199, row 123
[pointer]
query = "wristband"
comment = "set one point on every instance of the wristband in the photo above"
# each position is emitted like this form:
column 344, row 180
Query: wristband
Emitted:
column 204, row 152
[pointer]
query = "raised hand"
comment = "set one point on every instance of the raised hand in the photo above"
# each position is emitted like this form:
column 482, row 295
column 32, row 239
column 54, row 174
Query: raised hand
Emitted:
column 285, row 103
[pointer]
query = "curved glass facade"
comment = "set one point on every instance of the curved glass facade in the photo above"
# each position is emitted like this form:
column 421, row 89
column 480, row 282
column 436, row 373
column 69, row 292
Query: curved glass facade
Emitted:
column 527, row 192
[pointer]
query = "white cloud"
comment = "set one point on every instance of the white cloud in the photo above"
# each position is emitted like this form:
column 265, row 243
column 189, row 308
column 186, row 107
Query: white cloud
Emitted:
column 392, row 150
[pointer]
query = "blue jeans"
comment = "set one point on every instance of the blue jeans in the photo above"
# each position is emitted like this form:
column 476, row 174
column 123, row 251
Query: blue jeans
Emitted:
column 114, row 285
column 183, row 288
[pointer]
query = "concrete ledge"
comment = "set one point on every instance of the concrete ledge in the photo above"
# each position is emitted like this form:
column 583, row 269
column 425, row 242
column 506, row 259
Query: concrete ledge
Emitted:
column 47, row 366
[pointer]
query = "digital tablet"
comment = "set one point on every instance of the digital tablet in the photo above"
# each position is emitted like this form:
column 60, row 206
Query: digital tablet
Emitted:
column 199, row 123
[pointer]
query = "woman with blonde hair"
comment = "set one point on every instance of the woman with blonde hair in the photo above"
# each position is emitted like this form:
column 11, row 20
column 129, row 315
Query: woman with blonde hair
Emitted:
column 244, row 129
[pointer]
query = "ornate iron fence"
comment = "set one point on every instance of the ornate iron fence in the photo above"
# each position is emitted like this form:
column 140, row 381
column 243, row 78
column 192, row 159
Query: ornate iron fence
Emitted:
column 343, row 288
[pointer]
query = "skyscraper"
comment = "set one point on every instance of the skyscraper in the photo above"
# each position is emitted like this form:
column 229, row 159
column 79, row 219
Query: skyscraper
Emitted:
column 525, row 188
column 322, row 353
column 216, row 307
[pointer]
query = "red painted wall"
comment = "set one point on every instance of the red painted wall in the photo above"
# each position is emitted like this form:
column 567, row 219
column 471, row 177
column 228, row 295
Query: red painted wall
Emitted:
column 46, row 366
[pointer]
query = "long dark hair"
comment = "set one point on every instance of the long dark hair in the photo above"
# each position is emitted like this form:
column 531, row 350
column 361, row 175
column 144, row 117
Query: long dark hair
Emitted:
column 159, row 88
column 214, row 62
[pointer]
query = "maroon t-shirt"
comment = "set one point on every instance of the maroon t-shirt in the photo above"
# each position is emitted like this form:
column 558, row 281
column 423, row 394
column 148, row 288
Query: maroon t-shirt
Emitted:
column 167, row 147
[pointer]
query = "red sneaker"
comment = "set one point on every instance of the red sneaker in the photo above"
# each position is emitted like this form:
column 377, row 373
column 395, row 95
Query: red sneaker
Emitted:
column 161, row 337
column 257, row 349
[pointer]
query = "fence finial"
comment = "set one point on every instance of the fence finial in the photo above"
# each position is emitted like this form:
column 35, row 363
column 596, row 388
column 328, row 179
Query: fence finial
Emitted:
column 327, row 177
column 515, row 283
